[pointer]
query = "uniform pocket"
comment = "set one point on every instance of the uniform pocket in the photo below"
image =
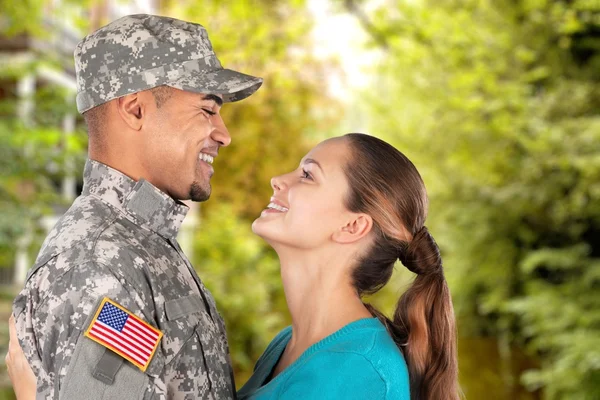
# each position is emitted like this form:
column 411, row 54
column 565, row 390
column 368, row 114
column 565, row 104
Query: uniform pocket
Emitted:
column 186, row 368
column 79, row 382
column 182, row 315
column 183, row 306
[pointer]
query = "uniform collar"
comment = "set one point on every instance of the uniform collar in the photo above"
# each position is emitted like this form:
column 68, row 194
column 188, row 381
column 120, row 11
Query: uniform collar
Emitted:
column 141, row 200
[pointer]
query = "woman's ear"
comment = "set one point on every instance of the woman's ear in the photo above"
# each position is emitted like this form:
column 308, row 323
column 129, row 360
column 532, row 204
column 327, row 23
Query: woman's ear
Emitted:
column 357, row 227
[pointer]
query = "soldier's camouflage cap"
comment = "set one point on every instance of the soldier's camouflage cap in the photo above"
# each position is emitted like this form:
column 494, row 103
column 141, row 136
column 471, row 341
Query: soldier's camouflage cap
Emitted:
column 139, row 52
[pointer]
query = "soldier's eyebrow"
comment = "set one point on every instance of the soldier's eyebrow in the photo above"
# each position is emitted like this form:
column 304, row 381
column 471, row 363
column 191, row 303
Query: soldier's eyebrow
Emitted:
column 214, row 98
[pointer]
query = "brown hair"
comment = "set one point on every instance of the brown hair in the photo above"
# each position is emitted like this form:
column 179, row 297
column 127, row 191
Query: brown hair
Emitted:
column 386, row 185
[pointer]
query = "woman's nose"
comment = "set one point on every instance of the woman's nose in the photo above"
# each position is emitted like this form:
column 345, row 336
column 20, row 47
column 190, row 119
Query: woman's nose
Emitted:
column 277, row 183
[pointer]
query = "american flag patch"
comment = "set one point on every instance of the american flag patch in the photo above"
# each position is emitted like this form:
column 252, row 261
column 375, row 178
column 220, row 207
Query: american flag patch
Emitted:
column 122, row 332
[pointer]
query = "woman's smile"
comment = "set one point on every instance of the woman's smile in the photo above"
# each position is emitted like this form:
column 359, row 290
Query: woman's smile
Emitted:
column 275, row 206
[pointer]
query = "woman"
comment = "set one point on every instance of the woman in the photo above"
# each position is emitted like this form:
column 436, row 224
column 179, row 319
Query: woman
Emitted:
column 338, row 224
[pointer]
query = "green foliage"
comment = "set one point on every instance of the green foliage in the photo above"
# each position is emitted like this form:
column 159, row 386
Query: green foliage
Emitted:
column 31, row 17
column 269, row 133
column 497, row 105
column 242, row 273
column 270, row 128
column 33, row 158
column 33, row 149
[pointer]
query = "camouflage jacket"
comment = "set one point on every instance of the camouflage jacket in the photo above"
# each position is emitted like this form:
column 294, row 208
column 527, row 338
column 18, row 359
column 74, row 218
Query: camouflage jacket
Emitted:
column 118, row 241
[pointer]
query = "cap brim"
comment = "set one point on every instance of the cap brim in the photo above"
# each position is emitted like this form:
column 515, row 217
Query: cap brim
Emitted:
column 233, row 85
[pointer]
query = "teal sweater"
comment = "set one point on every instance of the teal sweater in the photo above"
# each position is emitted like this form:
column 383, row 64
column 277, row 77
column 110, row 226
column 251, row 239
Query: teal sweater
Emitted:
column 360, row 361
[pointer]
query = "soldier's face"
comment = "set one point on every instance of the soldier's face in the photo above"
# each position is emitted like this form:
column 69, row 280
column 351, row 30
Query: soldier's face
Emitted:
column 185, row 135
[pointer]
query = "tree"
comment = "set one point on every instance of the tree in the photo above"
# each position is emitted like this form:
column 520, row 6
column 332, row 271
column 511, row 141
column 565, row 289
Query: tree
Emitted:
column 242, row 273
column 497, row 105
column 34, row 152
column 271, row 131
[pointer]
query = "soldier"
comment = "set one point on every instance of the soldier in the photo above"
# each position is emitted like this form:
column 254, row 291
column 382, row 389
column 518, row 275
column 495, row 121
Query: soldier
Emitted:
column 112, row 308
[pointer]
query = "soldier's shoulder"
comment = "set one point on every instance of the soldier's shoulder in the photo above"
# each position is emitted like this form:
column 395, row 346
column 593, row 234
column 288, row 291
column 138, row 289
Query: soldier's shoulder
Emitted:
column 124, row 239
column 127, row 249
column 92, row 238
column 88, row 264
column 91, row 229
column 84, row 220
column 89, row 233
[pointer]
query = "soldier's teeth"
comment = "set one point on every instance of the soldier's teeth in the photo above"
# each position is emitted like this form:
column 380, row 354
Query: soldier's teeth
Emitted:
column 206, row 158
column 277, row 207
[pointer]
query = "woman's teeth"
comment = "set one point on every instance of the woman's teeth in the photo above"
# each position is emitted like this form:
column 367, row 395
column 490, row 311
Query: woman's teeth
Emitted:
column 206, row 158
column 277, row 207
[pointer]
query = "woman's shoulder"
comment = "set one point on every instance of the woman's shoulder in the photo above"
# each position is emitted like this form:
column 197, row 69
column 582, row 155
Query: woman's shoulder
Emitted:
column 334, row 374
column 329, row 374
column 369, row 338
column 376, row 347
column 387, row 358
column 364, row 361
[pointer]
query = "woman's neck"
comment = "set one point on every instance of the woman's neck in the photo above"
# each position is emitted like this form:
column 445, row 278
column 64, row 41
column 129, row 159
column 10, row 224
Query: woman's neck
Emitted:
column 320, row 298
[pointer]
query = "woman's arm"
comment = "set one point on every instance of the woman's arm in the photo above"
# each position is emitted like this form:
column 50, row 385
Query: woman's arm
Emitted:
column 19, row 371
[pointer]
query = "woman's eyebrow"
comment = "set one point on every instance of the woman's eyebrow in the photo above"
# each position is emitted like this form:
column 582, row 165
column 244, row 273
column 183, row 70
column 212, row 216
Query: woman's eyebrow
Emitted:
column 313, row 161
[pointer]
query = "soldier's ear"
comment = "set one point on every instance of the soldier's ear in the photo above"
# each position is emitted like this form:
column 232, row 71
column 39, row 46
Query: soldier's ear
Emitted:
column 132, row 109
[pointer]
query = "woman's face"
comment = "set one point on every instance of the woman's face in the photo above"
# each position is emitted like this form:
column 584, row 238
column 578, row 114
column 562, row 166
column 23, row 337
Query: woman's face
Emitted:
column 307, row 206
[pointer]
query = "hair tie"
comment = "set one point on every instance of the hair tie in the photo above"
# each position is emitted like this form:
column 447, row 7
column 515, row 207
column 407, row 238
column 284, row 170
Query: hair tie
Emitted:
column 422, row 254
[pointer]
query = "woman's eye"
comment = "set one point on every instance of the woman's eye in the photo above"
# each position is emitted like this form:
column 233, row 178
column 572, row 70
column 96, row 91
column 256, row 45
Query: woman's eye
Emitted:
column 306, row 175
column 209, row 112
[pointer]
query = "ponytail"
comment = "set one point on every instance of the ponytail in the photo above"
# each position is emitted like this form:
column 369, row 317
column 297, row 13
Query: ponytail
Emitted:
column 423, row 324
column 424, row 321
column 387, row 186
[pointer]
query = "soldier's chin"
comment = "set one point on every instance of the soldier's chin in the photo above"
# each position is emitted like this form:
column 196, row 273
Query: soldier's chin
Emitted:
column 199, row 193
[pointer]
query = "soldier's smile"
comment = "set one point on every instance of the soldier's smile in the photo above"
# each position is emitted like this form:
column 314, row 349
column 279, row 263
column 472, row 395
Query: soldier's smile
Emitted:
column 204, row 164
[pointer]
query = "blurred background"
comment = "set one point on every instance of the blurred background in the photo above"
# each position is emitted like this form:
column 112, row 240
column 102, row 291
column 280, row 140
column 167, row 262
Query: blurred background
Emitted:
column 496, row 102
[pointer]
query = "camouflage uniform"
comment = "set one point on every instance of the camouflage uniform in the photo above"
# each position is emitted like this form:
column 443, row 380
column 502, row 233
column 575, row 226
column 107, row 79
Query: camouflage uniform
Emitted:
column 118, row 240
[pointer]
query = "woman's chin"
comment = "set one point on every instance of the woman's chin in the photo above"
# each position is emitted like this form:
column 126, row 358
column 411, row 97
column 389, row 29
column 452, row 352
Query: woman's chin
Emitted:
column 258, row 228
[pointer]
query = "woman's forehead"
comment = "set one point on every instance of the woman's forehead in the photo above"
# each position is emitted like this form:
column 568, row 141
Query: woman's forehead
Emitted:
column 332, row 150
